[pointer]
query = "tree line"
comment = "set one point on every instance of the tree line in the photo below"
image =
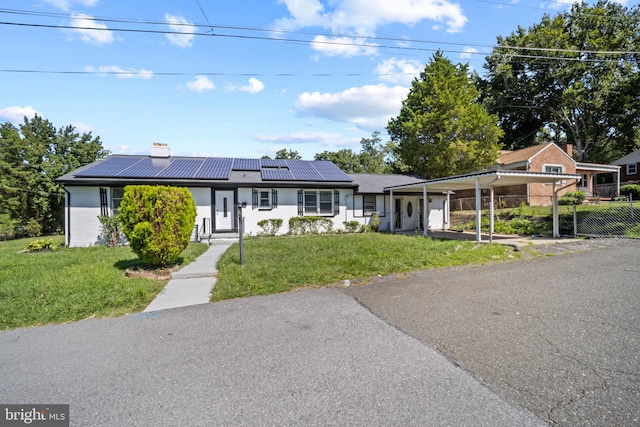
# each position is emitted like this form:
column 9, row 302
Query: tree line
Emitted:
column 572, row 78
column 32, row 156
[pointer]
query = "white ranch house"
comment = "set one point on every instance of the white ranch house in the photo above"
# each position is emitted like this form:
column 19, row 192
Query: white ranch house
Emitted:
column 263, row 188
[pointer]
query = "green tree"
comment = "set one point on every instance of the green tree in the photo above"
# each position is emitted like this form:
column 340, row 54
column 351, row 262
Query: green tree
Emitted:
column 288, row 154
column 31, row 158
column 442, row 129
column 374, row 157
column 346, row 159
column 158, row 221
column 572, row 78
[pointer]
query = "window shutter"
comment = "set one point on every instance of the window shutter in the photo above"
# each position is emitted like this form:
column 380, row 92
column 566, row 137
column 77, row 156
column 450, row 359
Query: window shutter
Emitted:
column 274, row 198
column 336, row 202
column 255, row 199
column 104, row 203
column 300, row 202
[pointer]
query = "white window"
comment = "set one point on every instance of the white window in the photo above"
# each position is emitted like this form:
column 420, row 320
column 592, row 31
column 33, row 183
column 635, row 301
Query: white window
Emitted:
column 265, row 201
column 369, row 204
column 553, row 168
column 632, row 169
column 318, row 202
column 116, row 198
column 264, row 198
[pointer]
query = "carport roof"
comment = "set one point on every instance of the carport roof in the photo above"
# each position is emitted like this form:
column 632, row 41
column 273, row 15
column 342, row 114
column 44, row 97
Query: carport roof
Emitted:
column 498, row 178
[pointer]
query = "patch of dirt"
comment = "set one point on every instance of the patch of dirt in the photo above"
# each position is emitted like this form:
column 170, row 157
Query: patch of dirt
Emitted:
column 163, row 274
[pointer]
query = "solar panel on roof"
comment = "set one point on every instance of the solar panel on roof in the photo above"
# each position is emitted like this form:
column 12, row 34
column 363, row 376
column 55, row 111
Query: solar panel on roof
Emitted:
column 330, row 172
column 145, row 168
column 277, row 174
column 304, row 171
column 109, row 167
column 215, row 168
column 273, row 163
column 181, row 168
column 246, row 164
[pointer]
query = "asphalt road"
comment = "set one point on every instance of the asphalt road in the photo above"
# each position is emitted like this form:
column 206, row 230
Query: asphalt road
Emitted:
column 305, row 358
column 559, row 335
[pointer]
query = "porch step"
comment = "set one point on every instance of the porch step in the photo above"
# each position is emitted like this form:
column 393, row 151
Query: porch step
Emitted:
column 212, row 239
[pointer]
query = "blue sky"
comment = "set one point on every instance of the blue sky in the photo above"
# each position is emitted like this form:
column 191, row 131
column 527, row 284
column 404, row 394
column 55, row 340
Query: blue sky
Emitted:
column 243, row 78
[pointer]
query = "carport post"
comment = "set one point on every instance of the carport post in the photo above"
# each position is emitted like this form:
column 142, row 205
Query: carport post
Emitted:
column 425, row 214
column 478, row 211
column 392, row 224
column 491, row 215
column 556, row 220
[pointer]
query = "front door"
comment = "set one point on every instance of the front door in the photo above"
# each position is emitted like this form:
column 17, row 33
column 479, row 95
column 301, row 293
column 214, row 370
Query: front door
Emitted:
column 225, row 215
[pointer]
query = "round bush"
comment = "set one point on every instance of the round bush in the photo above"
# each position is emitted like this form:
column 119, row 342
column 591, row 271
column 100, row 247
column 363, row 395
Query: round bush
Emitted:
column 158, row 221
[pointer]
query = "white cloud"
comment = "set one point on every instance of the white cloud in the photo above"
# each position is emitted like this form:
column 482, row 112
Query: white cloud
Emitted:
column 364, row 16
column 127, row 149
column 121, row 73
column 82, row 127
column 300, row 138
column 97, row 37
column 180, row 25
column 16, row 115
column 401, row 71
column 66, row 4
column 368, row 107
column 468, row 52
column 343, row 46
column 201, row 83
column 253, row 86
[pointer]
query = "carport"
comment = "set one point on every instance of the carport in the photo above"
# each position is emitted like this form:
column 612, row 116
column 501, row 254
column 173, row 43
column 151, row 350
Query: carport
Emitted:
column 485, row 180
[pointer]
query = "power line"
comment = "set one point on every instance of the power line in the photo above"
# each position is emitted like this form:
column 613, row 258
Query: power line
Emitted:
column 302, row 41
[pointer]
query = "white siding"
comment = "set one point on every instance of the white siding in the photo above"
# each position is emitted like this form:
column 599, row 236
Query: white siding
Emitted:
column 83, row 224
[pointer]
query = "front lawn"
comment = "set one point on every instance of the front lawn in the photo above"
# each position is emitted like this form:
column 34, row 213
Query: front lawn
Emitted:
column 282, row 263
column 72, row 283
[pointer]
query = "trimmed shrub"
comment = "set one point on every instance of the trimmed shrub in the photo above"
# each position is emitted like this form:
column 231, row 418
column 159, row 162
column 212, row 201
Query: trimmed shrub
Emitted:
column 632, row 190
column 158, row 221
column 351, row 226
column 573, row 198
column 310, row 225
column 40, row 245
column 270, row 227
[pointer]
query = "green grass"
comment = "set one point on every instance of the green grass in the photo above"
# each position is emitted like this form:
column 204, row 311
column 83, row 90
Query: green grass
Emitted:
column 279, row 264
column 72, row 283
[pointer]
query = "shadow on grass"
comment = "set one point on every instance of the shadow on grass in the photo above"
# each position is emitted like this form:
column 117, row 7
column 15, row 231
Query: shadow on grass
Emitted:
column 138, row 264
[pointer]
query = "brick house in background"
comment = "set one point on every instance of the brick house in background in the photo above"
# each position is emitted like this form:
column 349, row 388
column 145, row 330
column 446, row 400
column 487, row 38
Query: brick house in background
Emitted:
column 541, row 158
column 629, row 168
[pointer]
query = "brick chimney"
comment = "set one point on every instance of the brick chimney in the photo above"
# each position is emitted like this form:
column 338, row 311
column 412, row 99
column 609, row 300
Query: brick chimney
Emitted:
column 568, row 148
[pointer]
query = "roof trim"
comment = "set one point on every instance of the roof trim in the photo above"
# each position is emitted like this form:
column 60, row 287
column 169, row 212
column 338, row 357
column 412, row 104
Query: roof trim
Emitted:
column 499, row 178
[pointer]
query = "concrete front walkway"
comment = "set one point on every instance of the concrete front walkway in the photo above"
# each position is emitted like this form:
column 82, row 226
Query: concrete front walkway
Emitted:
column 192, row 284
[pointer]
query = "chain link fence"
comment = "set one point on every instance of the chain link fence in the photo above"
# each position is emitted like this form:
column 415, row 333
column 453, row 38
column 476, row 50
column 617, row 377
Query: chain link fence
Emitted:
column 610, row 219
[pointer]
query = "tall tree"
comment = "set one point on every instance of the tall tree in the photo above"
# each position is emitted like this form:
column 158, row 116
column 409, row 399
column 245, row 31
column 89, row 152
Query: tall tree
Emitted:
column 288, row 154
column 374, row 157
column 572, row 78
column 31, row 158
column 442, row 129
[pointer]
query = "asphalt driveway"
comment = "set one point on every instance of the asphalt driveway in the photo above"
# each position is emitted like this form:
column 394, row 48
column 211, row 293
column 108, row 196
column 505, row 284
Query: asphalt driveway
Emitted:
column 309, row 358
column 558, row 335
